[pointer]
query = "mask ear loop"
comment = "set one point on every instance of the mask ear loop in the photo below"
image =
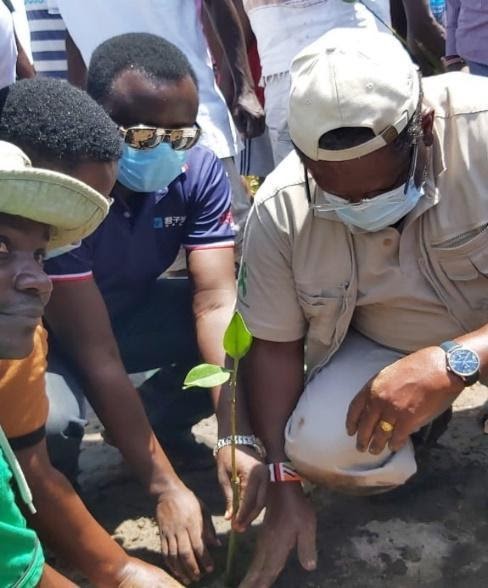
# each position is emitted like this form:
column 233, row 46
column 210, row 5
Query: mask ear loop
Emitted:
column 412, row 169
column 307, row 186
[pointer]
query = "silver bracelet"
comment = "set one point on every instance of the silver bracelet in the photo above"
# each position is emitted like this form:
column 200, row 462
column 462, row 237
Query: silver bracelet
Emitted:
column 247, row 440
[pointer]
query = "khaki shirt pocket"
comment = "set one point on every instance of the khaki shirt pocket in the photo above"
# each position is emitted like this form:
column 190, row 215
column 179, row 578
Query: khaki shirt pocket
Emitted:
column 322, row 314
column 466, row 266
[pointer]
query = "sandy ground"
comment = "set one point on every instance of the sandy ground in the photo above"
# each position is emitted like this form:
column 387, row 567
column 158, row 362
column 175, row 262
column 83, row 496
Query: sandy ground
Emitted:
column 431, row 533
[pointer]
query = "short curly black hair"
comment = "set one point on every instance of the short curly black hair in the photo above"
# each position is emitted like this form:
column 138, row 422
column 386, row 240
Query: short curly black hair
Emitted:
column 52, row 121
column 152, row 56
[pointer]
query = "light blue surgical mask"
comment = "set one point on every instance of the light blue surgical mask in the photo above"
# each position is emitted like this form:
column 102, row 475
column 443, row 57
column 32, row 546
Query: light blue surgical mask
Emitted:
column 384, row 210
column 375, row 214
column 148, row 170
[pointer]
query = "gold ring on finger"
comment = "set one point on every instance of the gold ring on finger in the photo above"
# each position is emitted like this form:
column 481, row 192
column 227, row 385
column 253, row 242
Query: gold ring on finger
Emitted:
column 385, row 426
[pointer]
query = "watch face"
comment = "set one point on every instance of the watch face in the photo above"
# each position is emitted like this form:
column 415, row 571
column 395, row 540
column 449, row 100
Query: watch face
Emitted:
column 464, row 362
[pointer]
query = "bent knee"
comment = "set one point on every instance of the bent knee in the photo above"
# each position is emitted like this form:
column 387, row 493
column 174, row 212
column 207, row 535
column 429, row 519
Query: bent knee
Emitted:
column 328, row 456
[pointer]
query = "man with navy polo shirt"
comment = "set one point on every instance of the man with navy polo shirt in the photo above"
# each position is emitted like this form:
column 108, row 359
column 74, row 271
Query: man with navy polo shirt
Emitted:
column 111, row 315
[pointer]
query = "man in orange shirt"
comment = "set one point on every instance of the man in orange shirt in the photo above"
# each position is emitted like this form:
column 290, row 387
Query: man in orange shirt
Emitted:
column 40, row 210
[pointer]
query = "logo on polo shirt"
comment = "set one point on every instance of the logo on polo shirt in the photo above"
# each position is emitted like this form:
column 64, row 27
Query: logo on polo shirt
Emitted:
column 170, row 222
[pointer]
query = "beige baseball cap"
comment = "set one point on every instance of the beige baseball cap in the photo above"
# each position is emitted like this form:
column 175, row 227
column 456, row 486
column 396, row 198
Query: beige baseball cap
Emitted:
column 351, row 78
column 72, row 209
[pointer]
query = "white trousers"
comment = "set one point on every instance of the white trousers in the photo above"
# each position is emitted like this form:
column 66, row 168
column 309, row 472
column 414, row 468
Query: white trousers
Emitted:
column 316, row 438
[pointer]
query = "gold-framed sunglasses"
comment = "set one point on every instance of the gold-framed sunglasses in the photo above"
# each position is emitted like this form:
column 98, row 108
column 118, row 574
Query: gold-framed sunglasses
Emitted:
column 147, row 137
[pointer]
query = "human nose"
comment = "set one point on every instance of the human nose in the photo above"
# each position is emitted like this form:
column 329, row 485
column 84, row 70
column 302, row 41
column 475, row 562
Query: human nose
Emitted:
column 31, row 277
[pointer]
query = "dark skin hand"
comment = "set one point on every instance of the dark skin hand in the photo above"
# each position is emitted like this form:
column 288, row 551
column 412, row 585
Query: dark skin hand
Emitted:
column 247, row 111
column 75, row 535
column 409, row 394
column 79, row 318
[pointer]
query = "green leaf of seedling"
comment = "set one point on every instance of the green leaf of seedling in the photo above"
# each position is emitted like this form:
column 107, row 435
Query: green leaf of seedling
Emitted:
column 206, row 375
column 237, row 338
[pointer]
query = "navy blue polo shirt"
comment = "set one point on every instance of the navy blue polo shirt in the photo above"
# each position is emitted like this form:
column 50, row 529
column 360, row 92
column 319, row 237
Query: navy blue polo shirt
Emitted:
column 139, row 241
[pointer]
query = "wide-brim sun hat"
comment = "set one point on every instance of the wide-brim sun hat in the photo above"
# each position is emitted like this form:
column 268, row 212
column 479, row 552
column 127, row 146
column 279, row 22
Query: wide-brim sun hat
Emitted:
column 72, row 209
column 351, row 78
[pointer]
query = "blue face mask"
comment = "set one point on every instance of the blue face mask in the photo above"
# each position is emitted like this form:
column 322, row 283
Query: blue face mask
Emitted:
column 375, row 214
column 148, row 170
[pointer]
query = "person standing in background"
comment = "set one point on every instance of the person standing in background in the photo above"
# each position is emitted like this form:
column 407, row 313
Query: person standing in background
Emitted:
column 421, row 23
column 8, row 48
column 282, row 29
column 48, row 38
column 14, row 61
column 256, row 159
column 467, row 36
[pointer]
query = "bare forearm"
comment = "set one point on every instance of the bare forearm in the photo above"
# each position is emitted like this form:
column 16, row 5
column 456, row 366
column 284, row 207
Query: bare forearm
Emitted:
column 120, row 409
column 226, row 22
column 274, row 381
column 65, row 524
column 51, row 579
column 24, row 67
column 210, row 328
column 77, row 71
column 423, row 28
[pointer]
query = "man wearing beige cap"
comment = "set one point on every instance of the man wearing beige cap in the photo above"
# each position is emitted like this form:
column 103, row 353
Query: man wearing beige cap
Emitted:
column 365, row 259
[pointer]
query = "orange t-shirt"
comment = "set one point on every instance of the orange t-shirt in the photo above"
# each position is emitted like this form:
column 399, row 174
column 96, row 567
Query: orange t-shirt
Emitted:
column 23, row 401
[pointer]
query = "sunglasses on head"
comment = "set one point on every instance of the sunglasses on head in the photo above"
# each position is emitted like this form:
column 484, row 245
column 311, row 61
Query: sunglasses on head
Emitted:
column 146, row 137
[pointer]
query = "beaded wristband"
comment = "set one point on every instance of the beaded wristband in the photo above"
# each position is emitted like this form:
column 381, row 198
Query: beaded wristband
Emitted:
column 283, row 472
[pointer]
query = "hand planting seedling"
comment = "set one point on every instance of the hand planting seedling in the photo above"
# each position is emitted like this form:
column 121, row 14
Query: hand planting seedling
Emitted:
column 237, row 342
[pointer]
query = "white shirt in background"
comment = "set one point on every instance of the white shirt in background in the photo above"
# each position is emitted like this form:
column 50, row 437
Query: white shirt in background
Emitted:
column 8, row 48
column 91, row 22
column 48, row 38
column 284, row 27
column 21, row 26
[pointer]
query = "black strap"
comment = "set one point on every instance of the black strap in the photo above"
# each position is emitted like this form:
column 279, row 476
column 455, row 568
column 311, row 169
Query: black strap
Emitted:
column 9, row 5
column 28, row 440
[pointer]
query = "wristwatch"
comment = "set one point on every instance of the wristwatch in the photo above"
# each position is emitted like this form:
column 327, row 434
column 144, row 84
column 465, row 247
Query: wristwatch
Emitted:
column 462, row 361
column 247, row 440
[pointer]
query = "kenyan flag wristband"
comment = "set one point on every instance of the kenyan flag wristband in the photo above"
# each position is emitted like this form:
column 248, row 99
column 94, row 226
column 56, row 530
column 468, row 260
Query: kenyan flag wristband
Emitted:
column 283, row 472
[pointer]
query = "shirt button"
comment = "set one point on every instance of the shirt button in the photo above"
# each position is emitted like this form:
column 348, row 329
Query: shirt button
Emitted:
column 127, row 214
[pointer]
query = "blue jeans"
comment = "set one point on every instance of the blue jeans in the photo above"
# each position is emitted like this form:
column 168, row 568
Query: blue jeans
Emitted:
column 157, row 335
column 478, row 69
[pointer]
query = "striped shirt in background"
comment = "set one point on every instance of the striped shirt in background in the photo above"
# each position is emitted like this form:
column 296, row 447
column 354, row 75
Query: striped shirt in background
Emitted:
column 48, row 38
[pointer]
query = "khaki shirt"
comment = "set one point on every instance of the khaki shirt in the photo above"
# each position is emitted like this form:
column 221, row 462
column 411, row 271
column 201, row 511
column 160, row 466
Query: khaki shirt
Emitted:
column 299, row 275
column 396, row 306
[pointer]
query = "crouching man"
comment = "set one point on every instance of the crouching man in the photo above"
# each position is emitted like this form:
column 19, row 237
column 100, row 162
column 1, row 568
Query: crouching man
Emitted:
column 365, row 259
